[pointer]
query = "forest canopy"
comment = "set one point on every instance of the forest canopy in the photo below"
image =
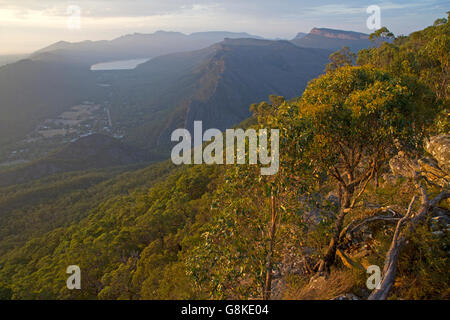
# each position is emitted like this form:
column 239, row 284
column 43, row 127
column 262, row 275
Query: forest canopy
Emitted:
column 335, row 207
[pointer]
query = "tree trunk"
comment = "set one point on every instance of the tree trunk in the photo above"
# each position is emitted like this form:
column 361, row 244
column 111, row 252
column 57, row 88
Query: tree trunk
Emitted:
column 267, row 292
column 330, row 256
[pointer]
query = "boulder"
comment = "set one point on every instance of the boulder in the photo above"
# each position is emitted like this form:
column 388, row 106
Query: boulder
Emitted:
column 439, row 148
column 435, row 169
column 403, row 166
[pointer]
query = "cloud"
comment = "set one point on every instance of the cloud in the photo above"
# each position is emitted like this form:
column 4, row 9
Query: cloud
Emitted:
column 106, row 19
column 254, row 8
column 106, row 8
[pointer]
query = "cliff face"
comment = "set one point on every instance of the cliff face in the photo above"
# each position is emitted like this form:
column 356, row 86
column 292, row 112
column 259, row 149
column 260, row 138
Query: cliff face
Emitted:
column 334, row 39
column 245, row 71
column 339, row 34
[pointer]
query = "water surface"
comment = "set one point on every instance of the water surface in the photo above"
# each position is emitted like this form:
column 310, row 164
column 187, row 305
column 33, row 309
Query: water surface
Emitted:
column 118, row 65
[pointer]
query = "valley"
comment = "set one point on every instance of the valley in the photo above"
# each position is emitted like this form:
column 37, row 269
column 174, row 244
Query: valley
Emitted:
column 147, row 100
column 359, row 157
column 49, row 135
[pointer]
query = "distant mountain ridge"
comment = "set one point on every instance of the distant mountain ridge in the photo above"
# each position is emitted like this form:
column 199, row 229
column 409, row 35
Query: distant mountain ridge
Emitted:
column 333, row 39
column 339, row 34
column 132, row 46
column 209, row 76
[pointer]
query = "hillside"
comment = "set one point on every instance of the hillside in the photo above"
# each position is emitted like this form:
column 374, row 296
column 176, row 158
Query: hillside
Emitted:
column 11, row 58
column 35, row 90
column 92, row 152
column 215, row 85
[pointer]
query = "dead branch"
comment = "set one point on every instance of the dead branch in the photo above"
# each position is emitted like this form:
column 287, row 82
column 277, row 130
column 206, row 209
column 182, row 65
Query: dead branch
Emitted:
column 356, row 225
column 355, row 199
column 399, row 239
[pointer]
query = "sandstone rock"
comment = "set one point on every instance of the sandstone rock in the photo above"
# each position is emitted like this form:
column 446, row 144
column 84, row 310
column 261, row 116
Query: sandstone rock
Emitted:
column 430, row 168
column 439, row 148
column 403, row 166
column 434, row 169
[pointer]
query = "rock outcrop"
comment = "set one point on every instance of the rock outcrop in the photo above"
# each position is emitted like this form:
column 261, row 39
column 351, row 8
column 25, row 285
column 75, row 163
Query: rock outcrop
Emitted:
column 439, row 148
column 436, row 168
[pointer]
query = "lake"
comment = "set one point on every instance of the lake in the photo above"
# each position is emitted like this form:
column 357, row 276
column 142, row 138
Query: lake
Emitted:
column 118, row 65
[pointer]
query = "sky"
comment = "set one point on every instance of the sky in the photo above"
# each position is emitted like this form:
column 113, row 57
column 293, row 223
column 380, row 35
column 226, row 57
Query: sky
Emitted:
column 28, row 25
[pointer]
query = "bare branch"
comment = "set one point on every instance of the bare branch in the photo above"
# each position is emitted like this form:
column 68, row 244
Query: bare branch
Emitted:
column 390, row 266
column 338, row 176
column 366, row 175
column 356, row 225
column 399, row 239
column 352, row 205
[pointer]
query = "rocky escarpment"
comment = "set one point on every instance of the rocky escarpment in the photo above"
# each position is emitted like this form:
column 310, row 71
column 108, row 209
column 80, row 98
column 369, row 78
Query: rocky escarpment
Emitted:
column 339, row 34
column 239, row 72
column 333, row 39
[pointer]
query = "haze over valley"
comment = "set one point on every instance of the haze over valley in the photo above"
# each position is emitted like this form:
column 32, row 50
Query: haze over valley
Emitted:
column 141, row 99
column 347, row 102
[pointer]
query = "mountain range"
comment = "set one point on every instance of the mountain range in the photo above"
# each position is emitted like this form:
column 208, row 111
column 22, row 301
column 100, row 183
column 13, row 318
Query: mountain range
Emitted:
column 208, row 76
column 139, row 45
column 132, row 46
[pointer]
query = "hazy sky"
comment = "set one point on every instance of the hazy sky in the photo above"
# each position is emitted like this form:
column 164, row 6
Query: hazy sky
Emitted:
column 27, row 25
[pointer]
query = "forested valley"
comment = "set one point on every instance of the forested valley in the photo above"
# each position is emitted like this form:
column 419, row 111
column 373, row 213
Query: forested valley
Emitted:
column 363, row 181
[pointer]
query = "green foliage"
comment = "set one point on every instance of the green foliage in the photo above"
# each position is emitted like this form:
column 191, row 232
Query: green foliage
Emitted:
column 351, row 114
column 341, row 58
column 201, row 232
column 423, row 267
column 382, row 33
column 424, row 55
